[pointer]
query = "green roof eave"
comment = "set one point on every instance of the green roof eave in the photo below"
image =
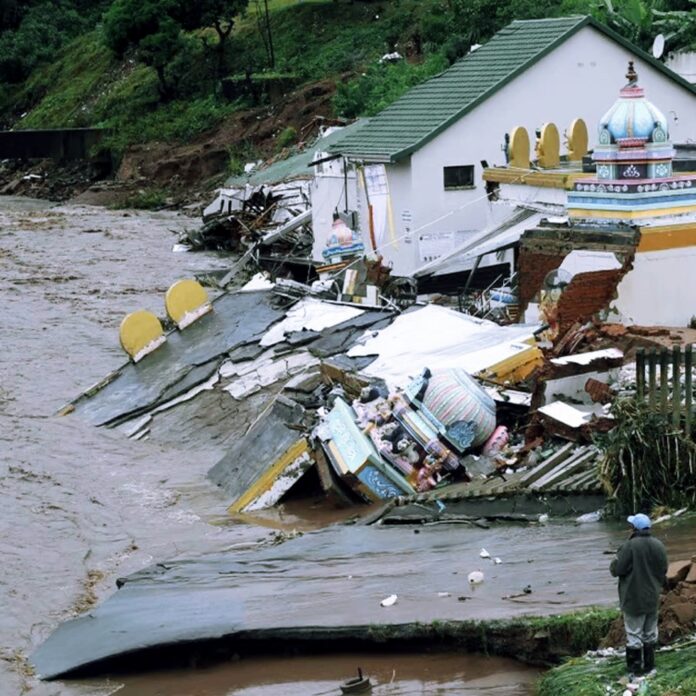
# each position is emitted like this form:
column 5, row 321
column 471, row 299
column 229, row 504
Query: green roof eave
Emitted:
column 583, row 21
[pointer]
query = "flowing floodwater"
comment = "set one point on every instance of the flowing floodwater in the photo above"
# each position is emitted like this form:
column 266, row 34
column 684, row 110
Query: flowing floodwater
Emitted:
column 82, row 506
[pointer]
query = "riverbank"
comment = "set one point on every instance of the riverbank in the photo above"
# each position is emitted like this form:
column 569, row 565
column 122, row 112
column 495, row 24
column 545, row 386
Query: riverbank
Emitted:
column 323, row 591
column 605, row 676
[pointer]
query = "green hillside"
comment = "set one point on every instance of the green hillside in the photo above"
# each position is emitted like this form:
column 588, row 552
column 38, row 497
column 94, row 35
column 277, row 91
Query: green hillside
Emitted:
column 154, row 69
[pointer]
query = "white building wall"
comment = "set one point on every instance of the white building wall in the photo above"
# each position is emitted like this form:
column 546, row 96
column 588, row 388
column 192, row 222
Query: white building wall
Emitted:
column 581, row 78
column 648, row 295
column 328, row 193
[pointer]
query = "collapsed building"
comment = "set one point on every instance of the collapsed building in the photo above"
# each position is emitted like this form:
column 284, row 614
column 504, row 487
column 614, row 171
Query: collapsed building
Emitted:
column 387, row 396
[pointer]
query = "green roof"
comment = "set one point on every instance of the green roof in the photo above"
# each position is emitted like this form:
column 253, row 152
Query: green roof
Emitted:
column 296, row 166
column 428, row 109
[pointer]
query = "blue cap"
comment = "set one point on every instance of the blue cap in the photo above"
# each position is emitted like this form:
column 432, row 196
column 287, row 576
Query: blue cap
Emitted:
column 640, row 521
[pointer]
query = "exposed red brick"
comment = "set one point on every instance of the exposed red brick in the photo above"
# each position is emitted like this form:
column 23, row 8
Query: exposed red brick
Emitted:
column 587, row 294
column 599, row 392
column 648, row 330
column 614, row 330
column 533, row 267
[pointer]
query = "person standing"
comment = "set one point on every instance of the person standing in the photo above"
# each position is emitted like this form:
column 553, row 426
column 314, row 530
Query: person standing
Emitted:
column 641, row 566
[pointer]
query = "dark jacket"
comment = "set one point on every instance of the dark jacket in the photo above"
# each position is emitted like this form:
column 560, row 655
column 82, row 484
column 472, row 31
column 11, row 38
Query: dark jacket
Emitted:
column 641, row 566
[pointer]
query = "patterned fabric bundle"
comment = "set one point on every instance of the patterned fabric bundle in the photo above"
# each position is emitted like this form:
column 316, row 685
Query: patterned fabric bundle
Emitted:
column 458, row 408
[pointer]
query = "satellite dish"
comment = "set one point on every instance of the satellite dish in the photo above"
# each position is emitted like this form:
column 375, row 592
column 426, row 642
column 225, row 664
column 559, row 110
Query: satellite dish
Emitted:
column 658, row 46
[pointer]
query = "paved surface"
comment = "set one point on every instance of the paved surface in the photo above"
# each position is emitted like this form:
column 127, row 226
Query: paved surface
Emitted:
column 333, row 581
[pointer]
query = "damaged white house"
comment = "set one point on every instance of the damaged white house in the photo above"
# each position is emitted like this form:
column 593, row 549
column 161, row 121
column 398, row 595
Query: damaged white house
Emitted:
column 419, row 193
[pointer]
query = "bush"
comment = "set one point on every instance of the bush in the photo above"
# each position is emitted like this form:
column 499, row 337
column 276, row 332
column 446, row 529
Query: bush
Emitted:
column 648, row 462
column 382, row 84
column 152, row 199
column 286, row 137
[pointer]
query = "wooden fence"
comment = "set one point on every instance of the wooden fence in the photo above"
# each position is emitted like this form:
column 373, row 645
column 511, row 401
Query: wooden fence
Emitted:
column 653, row 384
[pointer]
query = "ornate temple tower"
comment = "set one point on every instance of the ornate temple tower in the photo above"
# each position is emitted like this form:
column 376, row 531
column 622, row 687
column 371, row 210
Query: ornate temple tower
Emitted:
column 634, row 178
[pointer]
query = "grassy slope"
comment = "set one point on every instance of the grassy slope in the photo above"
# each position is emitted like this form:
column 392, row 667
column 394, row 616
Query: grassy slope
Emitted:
column 314, row 40
column 676, row 676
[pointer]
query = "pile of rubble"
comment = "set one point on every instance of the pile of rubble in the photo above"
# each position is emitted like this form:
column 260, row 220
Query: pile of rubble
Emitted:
column 256, row 217
column 421, row 404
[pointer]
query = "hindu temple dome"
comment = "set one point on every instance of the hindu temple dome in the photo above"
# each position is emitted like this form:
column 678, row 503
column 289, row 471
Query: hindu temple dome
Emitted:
column 634, row 165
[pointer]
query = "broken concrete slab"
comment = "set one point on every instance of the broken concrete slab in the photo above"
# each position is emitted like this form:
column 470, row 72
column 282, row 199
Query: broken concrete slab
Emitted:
column 329, row 584
column 677, row 571
column 247, row 351
column 341, row 338
column 236, row 319
column 311, row 315
column 193, row 378
column 247, row 471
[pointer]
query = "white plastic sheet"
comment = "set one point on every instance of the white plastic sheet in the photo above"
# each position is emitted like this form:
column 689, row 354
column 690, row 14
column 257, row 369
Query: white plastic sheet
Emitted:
column 437, row 337
column 312, row 315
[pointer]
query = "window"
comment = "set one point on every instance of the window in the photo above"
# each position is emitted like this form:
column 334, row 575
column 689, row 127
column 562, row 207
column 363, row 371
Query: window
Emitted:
column 459, row 177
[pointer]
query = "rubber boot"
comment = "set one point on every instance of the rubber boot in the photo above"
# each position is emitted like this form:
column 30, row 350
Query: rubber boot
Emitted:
column 648, row 658
column 634, row 661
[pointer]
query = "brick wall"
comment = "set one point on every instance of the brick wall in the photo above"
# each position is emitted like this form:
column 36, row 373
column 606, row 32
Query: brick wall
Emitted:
column 533, row 267
column 587, row 294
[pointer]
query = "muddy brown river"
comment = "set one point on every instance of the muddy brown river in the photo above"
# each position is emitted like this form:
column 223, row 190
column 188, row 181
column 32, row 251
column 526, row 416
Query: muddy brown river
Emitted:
column 82, row 506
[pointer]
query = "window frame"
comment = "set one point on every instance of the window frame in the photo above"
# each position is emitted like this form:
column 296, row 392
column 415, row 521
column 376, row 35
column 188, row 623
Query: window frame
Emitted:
column 459, row 187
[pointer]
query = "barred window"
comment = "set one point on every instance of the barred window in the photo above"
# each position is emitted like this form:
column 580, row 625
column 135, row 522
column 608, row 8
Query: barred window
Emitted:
column 459, row 177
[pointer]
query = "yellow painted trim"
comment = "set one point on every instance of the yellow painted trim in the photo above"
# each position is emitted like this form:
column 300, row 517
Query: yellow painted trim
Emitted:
column 578, row 140
column 519, row 148
column 526, row 177
column 266, row 480
column 139, row 333
column 549, row 147
column 338, row 457
column 515, row 368
column 628, row 214
column 184, row 300
column 663, row 238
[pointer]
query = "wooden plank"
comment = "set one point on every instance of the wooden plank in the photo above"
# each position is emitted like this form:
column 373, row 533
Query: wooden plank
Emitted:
column 549, row 463
column 676, row 386
column 664, row 384
column 688, row 363
column 564, row 470
column 568, row 484
column 562, row 466
column 640, row 373
column 652, row 377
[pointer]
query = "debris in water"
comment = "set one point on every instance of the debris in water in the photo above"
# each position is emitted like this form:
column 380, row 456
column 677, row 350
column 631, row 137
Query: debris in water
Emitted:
column 357, row 685
column 475, row 577
column 389, row 601
column 484, row 554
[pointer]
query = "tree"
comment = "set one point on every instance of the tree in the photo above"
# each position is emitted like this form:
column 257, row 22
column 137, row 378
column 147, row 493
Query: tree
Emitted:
column 263, row 20
column 221, row 15
column 158, row 49
column 679, row 27
column 155, row 29
column 641, row 20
